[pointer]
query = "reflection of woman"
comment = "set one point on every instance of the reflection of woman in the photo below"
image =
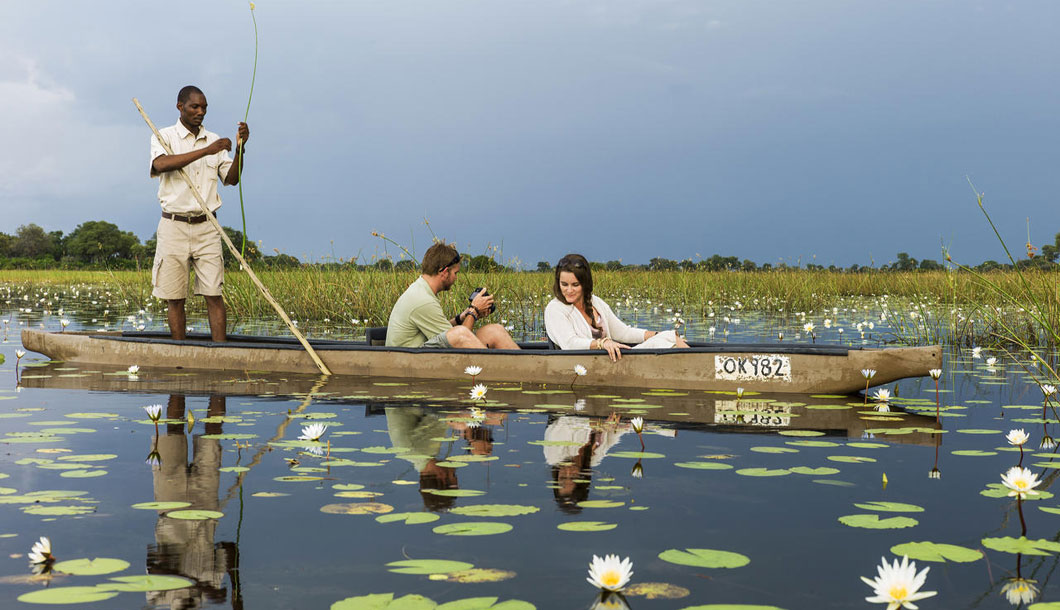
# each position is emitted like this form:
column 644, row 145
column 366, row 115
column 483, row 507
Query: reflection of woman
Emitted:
column 576, row 319
column 573, row 447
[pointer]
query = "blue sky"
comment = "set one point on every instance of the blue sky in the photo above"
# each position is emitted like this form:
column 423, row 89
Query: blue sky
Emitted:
column 820, row 131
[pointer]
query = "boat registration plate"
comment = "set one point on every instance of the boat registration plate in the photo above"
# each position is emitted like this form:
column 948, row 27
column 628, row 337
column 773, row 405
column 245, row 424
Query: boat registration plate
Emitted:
column 755, row 367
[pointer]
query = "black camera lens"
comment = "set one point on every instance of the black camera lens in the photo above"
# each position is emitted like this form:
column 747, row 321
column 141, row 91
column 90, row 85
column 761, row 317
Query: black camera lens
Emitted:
column 477, row 291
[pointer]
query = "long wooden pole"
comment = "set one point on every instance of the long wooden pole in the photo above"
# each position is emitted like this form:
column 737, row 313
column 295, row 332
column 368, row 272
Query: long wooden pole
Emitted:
column 235, row 251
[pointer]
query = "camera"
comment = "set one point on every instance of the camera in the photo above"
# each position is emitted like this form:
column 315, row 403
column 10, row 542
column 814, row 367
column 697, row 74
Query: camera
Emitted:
column 477, row 291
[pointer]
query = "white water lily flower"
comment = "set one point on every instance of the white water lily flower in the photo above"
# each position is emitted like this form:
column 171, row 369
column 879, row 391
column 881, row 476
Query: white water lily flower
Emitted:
column 132, row 370
column 808, row 327
column 1019, row 591
column 977, row 352
column 883, row 407
column 739, row 393
column 473, row 370
column 991, row 361
column 935, row 373
column 19, row 354
column 64, row 322
column 898, row 585
column 1021, row 481
column 638, row 424
column 154, row 412
column 1048, row 390
column 882, row 395
column 316, row 450
column 868, row 373
column 312, row 432
column 1017, row 437
column 579, row 405
column 935, row 474
column 638, row 471
column 780, row 335
column 1048, row 443
column 478, row 392
column 609, row 573
column 41, row 551
column 153, row 459
column 580, row 370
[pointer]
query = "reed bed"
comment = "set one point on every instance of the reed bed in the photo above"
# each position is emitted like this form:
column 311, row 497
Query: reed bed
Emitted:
column 920, row 307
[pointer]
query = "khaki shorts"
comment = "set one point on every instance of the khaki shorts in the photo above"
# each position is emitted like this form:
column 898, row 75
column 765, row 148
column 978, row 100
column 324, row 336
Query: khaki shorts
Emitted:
column 441, row 340
column 182, row 247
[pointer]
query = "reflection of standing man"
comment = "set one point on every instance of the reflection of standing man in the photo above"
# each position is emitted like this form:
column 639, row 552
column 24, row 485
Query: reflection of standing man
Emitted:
column 186, row 547
column 184, row 235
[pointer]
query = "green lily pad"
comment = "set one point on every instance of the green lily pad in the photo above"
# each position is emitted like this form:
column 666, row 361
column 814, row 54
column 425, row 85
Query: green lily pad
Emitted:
column 705, row 558
column 427, row 566
column 934, row 551
column 873, row 522
column 823, row 471
column 456, row 493
column 978, row 431
column 810, row 443
column 704, row 465
column 890, row 507
column 194, row 515
column 1022, row 545
column 408, row 518
column 161, row 505
column 851, row 459
column 586, row 526
column 768, row 449
column 357, row 508
column 477, row 528
column 973, row 453
column 493, row 510
column 92, row 457
column 861, row 445
column 146, row 582
column 732, row 607
column 997, row 490
column 58, row 511
column 601, row 503
column 66, row 595
column 656, row 590
column 763, row 472
column 91, row 567
column 800, row 433
column 636, row 454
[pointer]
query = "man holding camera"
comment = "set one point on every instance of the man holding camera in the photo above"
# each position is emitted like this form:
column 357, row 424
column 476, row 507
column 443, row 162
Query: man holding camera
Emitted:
column 417, row 319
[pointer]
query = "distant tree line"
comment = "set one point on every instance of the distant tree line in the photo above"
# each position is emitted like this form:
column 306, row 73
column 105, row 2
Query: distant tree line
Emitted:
column 98, row 244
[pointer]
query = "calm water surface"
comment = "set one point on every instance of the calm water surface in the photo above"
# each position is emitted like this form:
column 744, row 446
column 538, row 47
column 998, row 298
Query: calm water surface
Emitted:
column 285, row 538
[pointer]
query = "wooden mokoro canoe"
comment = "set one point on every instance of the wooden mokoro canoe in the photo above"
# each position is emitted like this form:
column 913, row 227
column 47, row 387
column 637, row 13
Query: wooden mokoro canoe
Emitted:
column 783, row 368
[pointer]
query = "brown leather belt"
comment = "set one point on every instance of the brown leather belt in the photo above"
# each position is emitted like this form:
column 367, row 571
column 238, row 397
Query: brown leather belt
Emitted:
column 192, row 220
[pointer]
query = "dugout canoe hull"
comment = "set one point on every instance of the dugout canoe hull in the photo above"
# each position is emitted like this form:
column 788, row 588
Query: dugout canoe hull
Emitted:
column 773, row 368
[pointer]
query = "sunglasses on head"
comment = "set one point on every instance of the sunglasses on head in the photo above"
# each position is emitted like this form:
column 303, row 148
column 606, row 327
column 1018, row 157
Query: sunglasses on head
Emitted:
column 567, row 262
column 452, row 262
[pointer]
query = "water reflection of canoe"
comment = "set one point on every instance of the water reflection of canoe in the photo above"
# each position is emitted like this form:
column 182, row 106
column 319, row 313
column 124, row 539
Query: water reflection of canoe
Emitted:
column 762, row 413
column 787, row 368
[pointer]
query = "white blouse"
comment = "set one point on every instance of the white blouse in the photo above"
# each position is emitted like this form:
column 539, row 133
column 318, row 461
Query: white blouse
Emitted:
column 568, row 329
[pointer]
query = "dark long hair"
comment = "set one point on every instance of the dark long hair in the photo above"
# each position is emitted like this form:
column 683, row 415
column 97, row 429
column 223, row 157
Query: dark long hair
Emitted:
column 576, row 264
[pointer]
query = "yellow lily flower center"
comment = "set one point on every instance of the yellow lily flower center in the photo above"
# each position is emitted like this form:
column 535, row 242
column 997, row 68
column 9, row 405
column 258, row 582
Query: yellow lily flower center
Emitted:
column 610, row 578
column 898, row 593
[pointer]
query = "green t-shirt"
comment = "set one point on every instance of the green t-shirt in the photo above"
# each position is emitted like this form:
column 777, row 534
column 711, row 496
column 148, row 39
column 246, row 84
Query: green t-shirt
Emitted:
column 417, row 316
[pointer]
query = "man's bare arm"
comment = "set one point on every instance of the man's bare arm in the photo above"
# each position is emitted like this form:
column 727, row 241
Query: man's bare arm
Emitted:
column 171, row 163
column 232, row 178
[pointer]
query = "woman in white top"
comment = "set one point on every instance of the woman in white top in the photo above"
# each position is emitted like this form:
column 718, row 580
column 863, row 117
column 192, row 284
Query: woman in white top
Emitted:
column 575, row 319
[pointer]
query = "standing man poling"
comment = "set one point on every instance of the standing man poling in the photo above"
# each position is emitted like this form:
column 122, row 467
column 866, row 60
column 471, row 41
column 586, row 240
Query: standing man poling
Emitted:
column 185, row 240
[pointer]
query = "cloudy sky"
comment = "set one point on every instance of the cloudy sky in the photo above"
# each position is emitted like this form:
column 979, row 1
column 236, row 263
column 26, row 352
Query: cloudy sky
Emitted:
column 817, row 131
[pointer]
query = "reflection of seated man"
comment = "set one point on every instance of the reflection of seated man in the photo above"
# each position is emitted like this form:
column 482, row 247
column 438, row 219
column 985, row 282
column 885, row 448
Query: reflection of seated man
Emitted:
column 417, row 319
column 186, row 547
column 572, row 464
column 415, row 428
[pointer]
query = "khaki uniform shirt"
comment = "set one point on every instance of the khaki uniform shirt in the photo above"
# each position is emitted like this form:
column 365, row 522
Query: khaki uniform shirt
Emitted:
column 417, row 316
column 173, row 192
